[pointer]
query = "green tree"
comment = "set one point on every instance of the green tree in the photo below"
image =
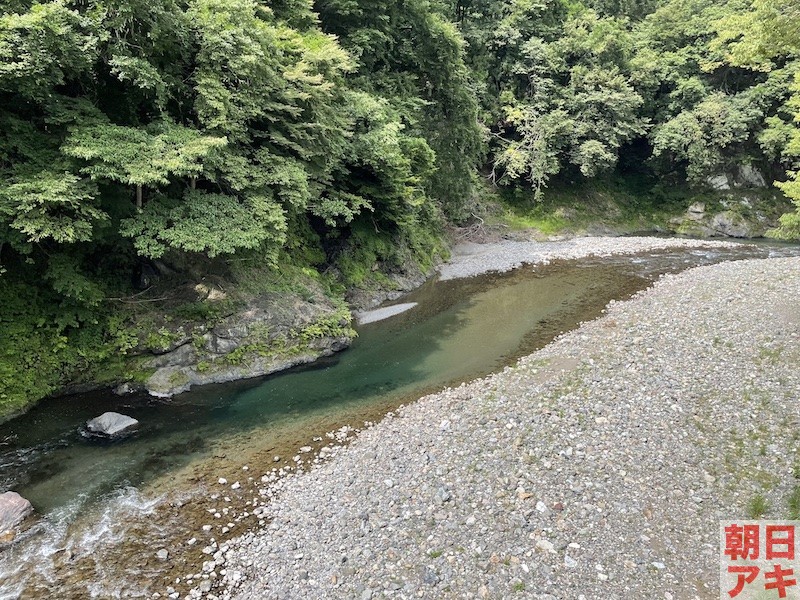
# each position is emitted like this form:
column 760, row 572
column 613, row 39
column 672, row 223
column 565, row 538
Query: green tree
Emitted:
column 578, row 108
column 766, row 37
column 412, row 57
column 141, row 157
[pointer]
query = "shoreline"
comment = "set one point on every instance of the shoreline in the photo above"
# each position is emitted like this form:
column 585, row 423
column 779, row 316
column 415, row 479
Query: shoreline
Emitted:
column 244, row 508
column 471, row 259
column 305, row 510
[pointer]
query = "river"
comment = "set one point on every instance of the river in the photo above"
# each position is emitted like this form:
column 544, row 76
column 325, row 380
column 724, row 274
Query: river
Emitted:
column 105, row 509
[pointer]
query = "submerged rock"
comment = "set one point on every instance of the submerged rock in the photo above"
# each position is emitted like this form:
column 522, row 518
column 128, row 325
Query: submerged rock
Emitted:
column 14, row 509
column 110, row 425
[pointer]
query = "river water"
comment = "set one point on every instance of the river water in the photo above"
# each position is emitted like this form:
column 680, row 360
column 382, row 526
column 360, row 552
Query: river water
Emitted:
column 105, row 509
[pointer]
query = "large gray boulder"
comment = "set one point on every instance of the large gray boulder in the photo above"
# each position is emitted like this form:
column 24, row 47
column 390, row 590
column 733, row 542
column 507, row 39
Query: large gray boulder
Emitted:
column 13, row 511
column 731, row 224
column 718, row 182
column 749, row 176
column 696, row 212
column 743, row 176
column 110, row 425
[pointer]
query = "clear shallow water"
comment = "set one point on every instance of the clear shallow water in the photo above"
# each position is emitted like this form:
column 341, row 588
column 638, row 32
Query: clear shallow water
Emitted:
column 98, row 530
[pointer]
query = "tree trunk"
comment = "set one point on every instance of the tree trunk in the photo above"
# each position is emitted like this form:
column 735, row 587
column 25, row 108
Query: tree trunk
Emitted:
column 138, row 197
column 193, row 182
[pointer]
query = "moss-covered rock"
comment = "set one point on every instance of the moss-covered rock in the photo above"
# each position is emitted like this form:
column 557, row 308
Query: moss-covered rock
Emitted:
column 270, row 333
column 735, row 214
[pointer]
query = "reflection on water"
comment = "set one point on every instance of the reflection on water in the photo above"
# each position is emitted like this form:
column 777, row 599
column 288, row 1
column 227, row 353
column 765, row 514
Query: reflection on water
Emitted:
column 461, row 329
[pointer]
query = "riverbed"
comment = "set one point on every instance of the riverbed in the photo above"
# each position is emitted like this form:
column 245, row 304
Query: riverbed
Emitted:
column 106, row 510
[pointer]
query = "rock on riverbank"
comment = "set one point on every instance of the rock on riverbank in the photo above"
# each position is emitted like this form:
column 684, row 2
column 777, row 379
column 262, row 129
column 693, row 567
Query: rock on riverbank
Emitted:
column 598, row 467
column 14, row 509
column 270, row 333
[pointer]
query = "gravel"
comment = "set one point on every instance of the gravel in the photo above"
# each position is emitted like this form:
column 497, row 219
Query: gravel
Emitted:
column 471, row 259
column 378, row 314
column 598, row 467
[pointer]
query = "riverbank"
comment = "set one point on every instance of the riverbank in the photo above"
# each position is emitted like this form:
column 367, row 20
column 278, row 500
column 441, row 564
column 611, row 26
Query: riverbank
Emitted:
column 470, row 259
column 599, row 466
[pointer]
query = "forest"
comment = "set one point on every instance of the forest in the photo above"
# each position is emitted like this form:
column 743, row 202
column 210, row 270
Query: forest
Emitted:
column 297, row 139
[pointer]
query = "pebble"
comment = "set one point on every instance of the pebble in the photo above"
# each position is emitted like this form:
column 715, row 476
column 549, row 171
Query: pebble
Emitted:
column 545, row 545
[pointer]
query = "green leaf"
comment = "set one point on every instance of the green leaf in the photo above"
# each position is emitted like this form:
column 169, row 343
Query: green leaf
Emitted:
column 213, row 224
column 50, row 205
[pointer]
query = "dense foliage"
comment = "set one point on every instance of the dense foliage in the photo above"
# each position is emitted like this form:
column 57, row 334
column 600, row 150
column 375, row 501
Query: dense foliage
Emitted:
column 173, row 134
column 684, row 89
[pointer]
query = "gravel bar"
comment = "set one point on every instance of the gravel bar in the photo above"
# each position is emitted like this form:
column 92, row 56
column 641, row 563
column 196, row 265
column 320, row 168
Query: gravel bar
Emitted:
column 596, row 468
column 470, row 259
column 378, row 314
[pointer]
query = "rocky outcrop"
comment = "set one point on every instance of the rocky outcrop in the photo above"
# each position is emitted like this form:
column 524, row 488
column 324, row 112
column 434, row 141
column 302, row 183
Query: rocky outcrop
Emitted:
column 174, row 379
column 744, row 176
column 401, row 283
column 110, row 426
column 731, row 224
column 14, row 509
column 736, row 215
column 270, row 334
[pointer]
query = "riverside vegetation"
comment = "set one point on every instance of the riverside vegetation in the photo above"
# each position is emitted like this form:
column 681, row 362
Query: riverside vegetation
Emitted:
column 168, row 168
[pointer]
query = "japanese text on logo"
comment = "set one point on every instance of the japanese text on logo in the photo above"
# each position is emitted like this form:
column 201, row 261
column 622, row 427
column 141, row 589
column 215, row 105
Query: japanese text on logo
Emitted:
column 758, row 560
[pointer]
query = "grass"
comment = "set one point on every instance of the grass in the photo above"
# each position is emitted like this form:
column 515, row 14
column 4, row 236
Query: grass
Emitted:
column 794, row 503
column 625, row 204
column 757, row 507
column 536, row 217
column 770, row 356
